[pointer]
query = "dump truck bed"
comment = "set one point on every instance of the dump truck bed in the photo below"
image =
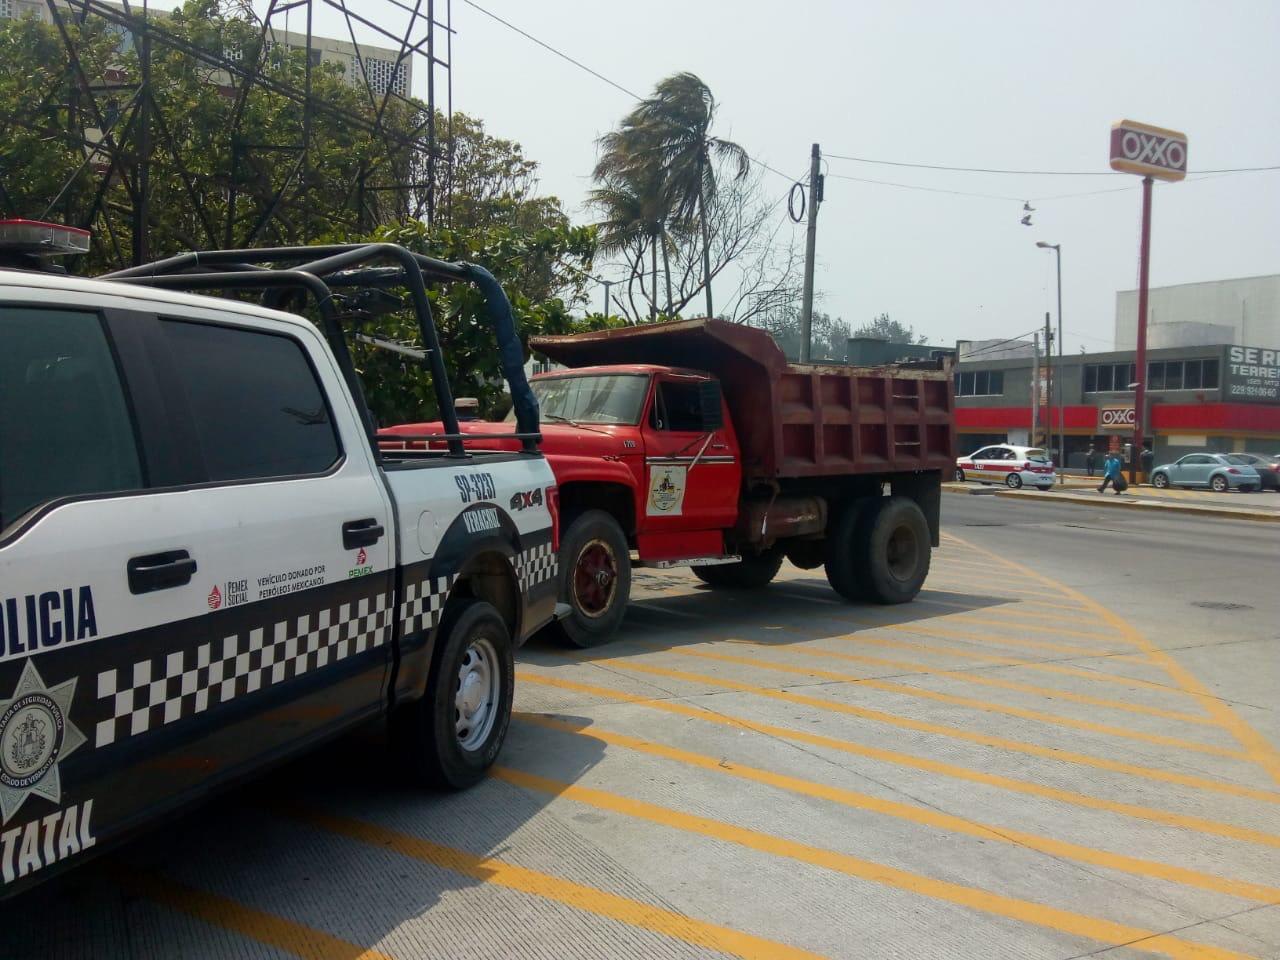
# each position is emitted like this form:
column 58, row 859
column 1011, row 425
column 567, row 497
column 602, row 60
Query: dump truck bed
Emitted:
column 793, row 420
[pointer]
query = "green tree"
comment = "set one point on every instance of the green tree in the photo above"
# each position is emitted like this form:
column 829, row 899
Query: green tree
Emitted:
column 668, row 136
column 883, row 328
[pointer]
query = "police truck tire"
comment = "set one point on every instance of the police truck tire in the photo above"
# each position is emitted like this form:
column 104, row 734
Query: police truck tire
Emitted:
column 883, row 553
column 453, row 734
column 595, row 578
column 751, row 572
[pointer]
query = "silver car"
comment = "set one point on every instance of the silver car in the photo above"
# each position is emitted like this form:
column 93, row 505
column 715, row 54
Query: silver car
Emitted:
column 1219, row 472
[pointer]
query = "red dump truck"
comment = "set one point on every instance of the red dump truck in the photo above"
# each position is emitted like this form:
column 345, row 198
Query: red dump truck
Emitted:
column 696, row 443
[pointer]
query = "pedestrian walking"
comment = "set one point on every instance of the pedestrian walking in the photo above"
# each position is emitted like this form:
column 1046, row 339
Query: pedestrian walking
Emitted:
column 1091, row 460
column 1112, row 470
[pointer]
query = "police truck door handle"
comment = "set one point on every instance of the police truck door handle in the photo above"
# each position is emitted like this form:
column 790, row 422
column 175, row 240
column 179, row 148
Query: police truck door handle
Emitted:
column 361, row 533
column 160, row 571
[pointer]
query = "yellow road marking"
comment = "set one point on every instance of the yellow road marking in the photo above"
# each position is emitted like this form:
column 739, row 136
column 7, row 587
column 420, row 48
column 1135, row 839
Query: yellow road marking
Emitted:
column 1152, row 814
column 967, row 608
column 295, row 938
column 973, row 704
column 548, row 887
column 1263, row 753
column 1025, row 911
column 921, row 815
column 997, row 743
column 1052, row 693
column 986, row 584
column 981, row 639
column 1013, row 623
column 1198, row 824
column 1101, row 677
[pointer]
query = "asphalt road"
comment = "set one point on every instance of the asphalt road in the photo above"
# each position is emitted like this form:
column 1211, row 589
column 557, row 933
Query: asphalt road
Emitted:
column 1065, row 748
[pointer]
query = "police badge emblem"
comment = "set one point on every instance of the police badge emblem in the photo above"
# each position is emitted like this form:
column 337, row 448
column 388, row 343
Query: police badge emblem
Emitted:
column 35, row 734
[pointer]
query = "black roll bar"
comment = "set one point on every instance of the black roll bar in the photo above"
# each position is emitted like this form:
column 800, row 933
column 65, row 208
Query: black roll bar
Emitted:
column 329, row 266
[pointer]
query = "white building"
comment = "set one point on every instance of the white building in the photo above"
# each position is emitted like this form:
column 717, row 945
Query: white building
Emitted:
column 379, row 62
column 1244, row 311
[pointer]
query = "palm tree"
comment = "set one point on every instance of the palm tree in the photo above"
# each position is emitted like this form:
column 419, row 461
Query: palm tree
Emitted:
column 634, row 212
column 670, row 132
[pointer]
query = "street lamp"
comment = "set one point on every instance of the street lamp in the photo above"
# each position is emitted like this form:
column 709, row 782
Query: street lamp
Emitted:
column 1062, row 436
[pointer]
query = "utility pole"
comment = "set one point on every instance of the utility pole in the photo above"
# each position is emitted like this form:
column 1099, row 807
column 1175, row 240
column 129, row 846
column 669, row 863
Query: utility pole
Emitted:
column 1048, row 393
column 1035, row 387
column 607, row 285
column 811, row 239
column 1140, row 360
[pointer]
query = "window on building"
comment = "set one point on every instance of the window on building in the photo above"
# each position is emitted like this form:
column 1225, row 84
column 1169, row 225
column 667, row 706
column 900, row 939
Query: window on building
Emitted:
column 1173, row 374
column 1209, row 374
column 1105, row 377
column 7, row 9
column 980, row 383
column 1155, row 375
column 234, row 377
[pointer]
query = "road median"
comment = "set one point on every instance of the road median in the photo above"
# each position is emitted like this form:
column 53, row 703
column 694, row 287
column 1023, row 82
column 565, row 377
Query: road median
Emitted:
column 1123, row 502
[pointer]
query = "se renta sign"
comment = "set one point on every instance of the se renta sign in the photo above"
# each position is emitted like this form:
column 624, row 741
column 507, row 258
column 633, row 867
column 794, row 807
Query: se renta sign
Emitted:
column 1149, row 151
column 1253, row 375
column 1116, row 418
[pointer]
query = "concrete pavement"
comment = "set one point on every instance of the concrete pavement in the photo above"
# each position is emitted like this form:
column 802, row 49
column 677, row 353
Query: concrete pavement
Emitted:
column 1066, row 747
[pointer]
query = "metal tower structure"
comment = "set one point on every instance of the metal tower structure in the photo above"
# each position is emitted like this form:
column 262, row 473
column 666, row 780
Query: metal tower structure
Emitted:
column 258, row 189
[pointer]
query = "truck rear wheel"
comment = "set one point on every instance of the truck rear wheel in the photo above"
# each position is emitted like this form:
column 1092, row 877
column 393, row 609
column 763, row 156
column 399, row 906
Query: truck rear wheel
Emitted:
column 748, row 573
column 595, row 578
column 452, row 735
column 879, row 551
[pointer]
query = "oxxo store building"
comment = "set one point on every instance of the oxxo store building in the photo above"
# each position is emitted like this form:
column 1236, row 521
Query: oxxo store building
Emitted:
column 1220, row 398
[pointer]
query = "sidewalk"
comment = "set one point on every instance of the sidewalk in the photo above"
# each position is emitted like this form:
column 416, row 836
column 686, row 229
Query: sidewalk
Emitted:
column 1081, row 490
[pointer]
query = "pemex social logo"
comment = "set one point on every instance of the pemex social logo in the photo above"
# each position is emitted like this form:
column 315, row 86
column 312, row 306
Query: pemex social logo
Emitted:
column 215, row 598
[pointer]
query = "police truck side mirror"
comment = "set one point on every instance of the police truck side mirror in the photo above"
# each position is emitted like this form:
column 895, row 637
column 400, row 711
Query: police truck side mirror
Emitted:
column 712, row 412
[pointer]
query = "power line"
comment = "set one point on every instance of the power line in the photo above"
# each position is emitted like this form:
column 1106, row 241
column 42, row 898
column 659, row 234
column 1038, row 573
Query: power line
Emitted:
column 916, row 186
column 999, row 343
column 1024, row 173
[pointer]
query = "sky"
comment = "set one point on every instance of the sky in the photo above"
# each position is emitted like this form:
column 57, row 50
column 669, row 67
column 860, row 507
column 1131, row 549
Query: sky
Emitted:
column 1015, row 85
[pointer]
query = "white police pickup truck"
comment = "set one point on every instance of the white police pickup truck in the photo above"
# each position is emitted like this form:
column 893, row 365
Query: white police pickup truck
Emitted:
column 207, row 565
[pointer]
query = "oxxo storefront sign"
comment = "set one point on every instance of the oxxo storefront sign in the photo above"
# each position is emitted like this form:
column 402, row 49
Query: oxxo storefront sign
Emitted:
column 1115, row 418
column 1253, row 375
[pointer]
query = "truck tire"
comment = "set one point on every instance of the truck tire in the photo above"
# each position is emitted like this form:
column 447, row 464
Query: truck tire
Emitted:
column 807, row 554
column 746, row 574
column 879, row 551
column 452, row 735
column 595, row 578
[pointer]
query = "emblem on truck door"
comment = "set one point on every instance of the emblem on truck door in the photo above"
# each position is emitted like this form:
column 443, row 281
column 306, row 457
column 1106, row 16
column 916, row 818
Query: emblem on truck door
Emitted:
column 35, row 733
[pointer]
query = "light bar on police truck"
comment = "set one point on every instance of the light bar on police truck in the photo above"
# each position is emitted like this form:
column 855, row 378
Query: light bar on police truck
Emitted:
column 42, row 239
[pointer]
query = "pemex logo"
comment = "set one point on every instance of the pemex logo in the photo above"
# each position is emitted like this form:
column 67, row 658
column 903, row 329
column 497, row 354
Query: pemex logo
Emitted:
column 361, row 557
column 215, row 598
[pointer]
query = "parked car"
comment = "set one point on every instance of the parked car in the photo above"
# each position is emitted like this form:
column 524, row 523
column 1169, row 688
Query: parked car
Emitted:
column 1268, row 469
column 1012, row 466
column 1219, row 472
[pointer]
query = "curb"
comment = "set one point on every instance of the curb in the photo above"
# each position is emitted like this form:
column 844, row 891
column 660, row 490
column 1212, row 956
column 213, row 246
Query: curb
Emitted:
column 1227, row 513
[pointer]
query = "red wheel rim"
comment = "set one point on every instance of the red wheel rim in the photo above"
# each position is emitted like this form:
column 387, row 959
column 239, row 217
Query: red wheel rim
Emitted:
column 595, row 578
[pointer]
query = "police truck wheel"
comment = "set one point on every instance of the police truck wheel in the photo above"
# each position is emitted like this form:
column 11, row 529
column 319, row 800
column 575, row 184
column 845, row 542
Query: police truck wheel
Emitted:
column 881, row 551
column 451, row 736
column 748, row 573
column 595, row 578
column 1014, row 481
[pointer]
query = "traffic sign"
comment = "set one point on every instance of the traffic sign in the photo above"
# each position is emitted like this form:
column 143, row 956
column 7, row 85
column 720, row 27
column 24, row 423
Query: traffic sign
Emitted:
column 1147, row 150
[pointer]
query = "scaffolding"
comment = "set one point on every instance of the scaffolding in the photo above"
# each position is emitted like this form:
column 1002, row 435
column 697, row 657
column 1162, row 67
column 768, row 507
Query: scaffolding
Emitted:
column 258, row 191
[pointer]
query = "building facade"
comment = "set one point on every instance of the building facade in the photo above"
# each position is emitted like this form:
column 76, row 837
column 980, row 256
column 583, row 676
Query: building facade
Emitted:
column 1218, row 397
column 1244, row 310
column 383, row 66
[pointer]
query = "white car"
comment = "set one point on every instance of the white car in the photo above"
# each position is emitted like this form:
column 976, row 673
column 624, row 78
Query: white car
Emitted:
column 1015, row 467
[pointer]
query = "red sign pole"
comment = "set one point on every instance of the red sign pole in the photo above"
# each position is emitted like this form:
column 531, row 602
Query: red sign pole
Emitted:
column 1140, row 361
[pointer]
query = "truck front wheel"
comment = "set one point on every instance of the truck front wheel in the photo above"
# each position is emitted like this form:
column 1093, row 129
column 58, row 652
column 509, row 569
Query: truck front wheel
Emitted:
column 452, row 735
column 879, row 551
column 746, row 574
column 595, row 578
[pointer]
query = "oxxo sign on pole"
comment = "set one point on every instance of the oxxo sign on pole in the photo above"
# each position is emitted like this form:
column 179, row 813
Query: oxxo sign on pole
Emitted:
column 1155, row 154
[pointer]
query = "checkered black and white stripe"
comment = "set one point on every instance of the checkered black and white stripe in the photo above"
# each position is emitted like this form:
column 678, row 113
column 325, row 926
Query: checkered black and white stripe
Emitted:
column 423, row 601
column 536, row 565
column 162, row 689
